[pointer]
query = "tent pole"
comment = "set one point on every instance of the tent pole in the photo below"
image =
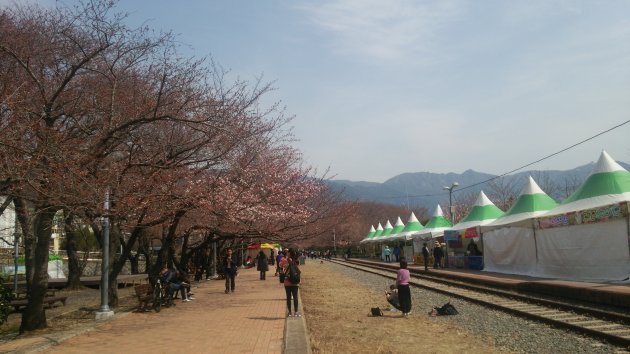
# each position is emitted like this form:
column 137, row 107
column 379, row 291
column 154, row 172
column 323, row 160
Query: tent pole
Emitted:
column 535, row 242
column 628, row 224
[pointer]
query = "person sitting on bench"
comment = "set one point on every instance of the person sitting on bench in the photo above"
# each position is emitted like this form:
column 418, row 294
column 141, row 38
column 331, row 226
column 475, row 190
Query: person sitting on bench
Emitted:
column 392, row 297
column 170, row 279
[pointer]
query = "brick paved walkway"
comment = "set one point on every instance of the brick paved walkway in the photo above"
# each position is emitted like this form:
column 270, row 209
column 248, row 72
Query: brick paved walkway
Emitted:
column 251, row 320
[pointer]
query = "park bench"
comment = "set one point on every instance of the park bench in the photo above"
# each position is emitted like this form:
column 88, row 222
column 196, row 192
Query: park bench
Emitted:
column 144, row 292
column 48, row 300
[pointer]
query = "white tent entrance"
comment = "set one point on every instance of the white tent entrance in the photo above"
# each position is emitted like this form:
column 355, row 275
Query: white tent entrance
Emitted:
column 513, row 251
column 591, row 249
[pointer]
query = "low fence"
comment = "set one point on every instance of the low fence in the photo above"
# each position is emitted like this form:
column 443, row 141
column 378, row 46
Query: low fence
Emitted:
column 91, row 266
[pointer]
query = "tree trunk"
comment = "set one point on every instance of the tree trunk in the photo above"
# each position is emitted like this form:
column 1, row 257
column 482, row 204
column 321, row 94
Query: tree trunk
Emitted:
column 167, row 243
column 74, row 268
column 34, row 316
column 26, row 223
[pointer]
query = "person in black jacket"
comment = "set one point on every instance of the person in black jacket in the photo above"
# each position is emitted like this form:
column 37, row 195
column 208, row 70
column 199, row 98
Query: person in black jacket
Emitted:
column 425, row 255
column 438, row 253
column 230, row 268
column 262, row 264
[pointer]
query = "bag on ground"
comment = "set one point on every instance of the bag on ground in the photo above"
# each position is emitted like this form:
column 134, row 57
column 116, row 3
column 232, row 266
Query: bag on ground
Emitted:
column 446, row 309
column 376, row 311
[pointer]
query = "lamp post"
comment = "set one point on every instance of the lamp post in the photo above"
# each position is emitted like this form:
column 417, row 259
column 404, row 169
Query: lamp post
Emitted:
column 104, row 311
column 450, row 210
column 334, row 243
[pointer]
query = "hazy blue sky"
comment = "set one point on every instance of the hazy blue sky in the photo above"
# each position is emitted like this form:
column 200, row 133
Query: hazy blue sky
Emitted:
column 380, row 88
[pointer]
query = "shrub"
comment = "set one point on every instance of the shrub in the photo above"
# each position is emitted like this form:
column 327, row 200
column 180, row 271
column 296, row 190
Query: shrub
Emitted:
column 6, row 295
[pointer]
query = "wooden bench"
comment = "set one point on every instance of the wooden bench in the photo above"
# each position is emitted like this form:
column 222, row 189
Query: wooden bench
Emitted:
column 22, row 294
column 144, row 292
column 48, row 300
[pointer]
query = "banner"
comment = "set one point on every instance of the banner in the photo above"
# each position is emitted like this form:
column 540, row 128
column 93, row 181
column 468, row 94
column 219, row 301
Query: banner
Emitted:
column 451, row 235
column 471, row 232
column 587, row 216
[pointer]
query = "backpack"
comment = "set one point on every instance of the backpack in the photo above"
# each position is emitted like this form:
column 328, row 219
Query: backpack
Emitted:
column 447, row 309
column 293, row 273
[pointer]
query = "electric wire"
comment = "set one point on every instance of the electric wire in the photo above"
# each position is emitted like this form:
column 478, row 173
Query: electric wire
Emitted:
column 519, row 168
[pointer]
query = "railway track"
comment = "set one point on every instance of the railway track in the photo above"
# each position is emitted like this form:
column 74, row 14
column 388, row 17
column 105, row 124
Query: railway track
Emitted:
column 597, row 323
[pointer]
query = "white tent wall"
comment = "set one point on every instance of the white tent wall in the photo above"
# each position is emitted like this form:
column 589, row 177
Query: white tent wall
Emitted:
column 510, row 250
column 598, row 251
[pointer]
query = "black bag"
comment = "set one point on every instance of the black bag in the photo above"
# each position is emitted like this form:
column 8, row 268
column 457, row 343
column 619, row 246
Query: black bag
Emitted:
column 376, row 311
column 293, row 272
column 447, row 309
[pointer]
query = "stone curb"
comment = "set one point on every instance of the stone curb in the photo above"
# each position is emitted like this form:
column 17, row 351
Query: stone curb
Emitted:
column 296, row 339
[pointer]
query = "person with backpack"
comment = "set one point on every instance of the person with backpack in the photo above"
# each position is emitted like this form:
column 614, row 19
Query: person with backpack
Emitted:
column 291, row 271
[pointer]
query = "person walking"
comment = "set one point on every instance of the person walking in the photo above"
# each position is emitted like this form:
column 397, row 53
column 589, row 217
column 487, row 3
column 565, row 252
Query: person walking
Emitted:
column 404, row 293
column 425, row 255
column 262, row 265
column 230, row 269
column 291, row 270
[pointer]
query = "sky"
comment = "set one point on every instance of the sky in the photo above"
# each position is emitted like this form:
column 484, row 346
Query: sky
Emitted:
column 379, row 88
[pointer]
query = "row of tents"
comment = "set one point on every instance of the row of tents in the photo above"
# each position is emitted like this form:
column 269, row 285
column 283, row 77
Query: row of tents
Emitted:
column 585, row 237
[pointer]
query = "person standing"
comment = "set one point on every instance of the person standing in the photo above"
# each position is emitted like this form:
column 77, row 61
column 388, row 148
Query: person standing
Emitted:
column 279, row 259
column 262, row 265
column 404, row 293
column 230, row 268
column 387, row 252
column 291, row 285
column 425, row 255
column 437, row 255
column 397, row 253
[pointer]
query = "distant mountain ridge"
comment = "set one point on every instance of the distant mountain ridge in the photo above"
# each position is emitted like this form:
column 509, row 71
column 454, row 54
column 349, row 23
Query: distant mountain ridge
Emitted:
column 425, row 189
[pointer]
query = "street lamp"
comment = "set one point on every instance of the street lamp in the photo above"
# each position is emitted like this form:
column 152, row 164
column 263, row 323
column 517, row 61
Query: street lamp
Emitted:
column 450, row 210
column 450, row 199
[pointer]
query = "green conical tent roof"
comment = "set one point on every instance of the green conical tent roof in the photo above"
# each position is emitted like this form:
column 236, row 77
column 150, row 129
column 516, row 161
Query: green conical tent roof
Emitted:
column 387, row 231
column 398, row 227
column 483, row 212
column 435, row 226
column 379, row 231
column 608, row 183
column 370, row 234
column 413, row 226
column 532, row 202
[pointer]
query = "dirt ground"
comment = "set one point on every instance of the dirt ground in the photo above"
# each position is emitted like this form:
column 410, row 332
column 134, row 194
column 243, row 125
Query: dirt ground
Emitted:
column 337, row 307
column 78, row 312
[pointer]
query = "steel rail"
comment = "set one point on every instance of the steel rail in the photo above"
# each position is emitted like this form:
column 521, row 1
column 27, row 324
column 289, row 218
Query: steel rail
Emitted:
column 596, row 323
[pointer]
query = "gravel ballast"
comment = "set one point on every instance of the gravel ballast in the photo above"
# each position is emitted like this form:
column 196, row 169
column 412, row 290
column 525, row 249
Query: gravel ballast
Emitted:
column 508, row 332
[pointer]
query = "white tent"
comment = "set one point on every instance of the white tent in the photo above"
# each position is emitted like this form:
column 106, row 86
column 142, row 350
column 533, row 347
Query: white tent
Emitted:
column 434, row 228
column 509, row 242
column 482, row 212
column 397, row 231
column 377, row 234
column 370, row 234
column 387, row 230
column 413, row 226
column 586, row 237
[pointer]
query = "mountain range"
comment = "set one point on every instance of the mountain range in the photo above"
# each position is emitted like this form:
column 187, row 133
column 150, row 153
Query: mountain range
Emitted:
column 425, row 189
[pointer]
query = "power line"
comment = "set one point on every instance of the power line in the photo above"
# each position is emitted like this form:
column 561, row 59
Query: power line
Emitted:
column 524, row 166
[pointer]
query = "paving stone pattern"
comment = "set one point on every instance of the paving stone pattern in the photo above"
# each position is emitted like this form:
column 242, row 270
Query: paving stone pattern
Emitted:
column 250, row 320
